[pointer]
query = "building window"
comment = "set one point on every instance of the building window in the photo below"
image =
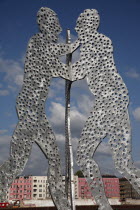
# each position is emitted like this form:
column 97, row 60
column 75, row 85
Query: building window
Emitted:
column 40, row 195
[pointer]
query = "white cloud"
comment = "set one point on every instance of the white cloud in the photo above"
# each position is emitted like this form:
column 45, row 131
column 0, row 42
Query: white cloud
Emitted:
column 57, row 118
column 132, row 73
column 104, row 149
column 4, row 92
column 3, row 131
column 19, row 80
column 77, row 120
column 85, row 103
column 136, row 113
column 13, row 71
column 60, row 137
column 57, row 112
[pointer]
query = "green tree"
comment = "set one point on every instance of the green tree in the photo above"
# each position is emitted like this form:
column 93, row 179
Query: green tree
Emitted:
column 79, row 174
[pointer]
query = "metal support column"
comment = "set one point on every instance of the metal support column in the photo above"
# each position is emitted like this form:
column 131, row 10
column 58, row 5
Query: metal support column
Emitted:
column 69, row 178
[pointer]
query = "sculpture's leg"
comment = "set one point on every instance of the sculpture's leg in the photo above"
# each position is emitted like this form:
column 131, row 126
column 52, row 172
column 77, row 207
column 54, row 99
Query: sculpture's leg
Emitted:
column 20, row 148
column 120, row 142
column 47, row 143
column 87, row 146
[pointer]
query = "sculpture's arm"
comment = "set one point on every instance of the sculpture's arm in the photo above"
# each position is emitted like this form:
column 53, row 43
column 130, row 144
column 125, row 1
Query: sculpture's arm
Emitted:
column 61, row 49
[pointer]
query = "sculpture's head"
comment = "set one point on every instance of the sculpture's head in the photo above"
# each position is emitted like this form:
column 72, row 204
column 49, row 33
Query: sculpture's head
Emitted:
column 48, row 22
column 88, row 21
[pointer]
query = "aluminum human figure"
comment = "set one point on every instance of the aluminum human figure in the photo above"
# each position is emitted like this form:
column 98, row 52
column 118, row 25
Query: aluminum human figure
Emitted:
column 41, row 64
column 109, row 116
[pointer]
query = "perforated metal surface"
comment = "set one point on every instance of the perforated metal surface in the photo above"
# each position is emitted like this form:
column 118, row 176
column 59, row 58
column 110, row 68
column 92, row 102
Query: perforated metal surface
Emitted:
column 109, row 116
column 41, row 65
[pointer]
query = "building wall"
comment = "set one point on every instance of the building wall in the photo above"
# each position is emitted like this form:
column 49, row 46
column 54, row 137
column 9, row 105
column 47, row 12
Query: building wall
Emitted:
column 21, row 188
column 84, row 191
column 76, row 187
column 111, row 186
column 127, row 191
column 40, row 190
column 33, row 187
column 37, row 188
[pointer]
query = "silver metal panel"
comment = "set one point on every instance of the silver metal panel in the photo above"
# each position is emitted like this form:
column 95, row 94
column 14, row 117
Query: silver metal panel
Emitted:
column 109, row 116
column 69, row 177
column 41, row 64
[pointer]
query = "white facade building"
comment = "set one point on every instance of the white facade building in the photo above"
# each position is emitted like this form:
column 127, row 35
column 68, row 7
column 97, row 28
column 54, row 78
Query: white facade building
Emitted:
column 40, row 190
column 76, row 187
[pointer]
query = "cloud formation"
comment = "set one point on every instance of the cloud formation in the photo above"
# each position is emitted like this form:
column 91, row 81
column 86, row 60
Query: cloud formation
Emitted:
column 132, row 73
column 3, row 131
column 136, row 113
column 13, row 71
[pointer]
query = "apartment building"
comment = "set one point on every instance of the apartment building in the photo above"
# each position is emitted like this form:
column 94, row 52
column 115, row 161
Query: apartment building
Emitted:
column 111, row 186
column 21, row 188
column 34, row 187
column 76, row 187
column 127, row 191
column 37, row 188
column 40, row 188
column 83, row 188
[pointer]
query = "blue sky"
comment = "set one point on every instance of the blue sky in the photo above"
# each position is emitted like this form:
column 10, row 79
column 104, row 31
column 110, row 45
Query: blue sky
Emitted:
column 119, row 21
